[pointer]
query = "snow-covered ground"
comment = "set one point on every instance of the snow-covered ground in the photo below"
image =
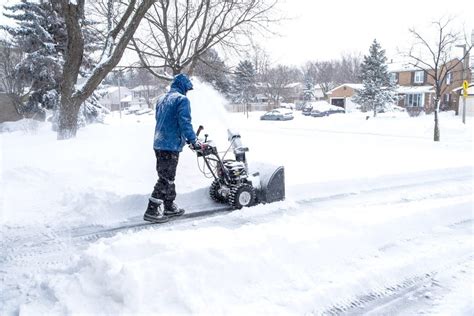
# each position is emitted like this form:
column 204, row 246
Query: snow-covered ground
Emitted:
column 378, row 219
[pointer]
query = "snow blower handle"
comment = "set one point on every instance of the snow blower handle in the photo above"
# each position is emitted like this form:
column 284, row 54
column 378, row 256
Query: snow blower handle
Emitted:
column 200, row 128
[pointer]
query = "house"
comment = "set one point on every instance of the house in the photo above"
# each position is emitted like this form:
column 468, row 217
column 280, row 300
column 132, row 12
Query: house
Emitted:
column 113, row 96
column 293, row 91
column 261, row 98
column 340, row 95
column 415, row 85
column 145, row 95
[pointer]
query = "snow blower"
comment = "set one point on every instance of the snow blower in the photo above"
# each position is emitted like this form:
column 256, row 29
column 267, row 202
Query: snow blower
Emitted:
column 233, row 183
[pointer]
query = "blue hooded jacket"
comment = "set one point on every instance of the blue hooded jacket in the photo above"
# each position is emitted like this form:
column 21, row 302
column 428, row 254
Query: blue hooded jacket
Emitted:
column 173, row 117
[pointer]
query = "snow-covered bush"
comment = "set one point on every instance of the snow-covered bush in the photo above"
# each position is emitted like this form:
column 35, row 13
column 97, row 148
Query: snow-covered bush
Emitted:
column 415, row 111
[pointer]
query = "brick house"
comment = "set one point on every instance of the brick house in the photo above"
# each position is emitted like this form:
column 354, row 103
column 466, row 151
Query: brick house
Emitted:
column 415, row 86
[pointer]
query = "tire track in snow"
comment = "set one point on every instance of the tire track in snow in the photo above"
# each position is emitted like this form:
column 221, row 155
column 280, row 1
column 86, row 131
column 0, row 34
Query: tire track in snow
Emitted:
column 375, row 301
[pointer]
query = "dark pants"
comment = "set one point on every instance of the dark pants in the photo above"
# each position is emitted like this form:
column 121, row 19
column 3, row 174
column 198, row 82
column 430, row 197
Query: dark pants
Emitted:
column 166, row 164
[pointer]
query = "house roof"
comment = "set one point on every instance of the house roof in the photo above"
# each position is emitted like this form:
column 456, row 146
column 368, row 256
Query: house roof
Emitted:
column 355, row 86
column 144, row 88
column 407, row 66
column 402, row 66
column 414, row 89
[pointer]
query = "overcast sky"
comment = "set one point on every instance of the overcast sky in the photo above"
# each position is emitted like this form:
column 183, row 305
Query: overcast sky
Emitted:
column 320, row 30
column 326, row 29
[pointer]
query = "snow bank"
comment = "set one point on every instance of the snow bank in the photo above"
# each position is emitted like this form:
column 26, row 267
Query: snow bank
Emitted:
column 299, row 262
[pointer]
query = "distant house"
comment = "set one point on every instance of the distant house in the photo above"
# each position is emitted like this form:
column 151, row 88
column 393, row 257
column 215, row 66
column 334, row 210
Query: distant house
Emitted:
column 293, row 91
column 145, row 95
column 339, row 96
column 415, row 86
column 113, row 97
column 261, row 98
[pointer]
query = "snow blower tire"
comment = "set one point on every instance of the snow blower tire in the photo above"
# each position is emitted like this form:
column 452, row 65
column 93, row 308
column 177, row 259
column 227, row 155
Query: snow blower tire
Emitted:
column 241, row 196
column 214, row 192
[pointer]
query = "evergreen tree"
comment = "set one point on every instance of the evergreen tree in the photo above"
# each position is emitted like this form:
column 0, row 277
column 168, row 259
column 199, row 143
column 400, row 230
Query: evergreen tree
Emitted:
column 38, row 35
column 308, row 94
column 378, row 91
column 41, row 35
column 244, row 82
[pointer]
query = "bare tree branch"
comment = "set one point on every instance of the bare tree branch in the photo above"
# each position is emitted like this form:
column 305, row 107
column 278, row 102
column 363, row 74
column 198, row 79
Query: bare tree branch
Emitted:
column 178, row 32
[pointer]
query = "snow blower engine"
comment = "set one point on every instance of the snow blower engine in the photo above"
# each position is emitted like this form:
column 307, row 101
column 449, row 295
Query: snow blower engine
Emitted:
column 233, row 183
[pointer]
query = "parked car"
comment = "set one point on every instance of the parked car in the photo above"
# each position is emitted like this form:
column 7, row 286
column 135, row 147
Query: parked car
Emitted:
column 317, row 113
column 323, row 108
column 278, row 115
column 307, row 110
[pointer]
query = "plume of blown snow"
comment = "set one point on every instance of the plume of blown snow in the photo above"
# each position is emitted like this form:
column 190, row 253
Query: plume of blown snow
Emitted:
column 208, row 110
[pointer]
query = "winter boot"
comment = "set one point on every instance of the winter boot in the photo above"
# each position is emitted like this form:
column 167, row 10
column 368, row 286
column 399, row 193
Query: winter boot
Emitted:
column 153, row 212
column 173, row 210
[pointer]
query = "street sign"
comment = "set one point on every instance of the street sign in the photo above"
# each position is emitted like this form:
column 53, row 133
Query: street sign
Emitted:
column 465, row 86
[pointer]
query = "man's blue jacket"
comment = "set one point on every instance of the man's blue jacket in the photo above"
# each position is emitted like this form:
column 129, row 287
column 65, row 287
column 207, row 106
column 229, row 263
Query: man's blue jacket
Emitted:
column 173, row 117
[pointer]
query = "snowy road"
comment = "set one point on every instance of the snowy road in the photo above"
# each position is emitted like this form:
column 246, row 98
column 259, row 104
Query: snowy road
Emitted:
column 416, row 249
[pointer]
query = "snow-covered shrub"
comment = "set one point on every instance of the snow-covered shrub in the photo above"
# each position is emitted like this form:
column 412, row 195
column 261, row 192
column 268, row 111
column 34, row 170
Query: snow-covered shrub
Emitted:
column 414, row 111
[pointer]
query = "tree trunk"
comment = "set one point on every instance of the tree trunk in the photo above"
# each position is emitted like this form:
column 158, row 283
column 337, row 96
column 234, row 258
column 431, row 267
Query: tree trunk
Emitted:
column 68, row 114
column 436, row 125
column 375, row 110
column 71, row 99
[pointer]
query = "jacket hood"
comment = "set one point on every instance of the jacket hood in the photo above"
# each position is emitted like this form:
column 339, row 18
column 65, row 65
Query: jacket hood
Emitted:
column 182, row 83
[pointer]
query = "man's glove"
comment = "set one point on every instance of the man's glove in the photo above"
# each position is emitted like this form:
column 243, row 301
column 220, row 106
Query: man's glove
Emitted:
column 197, row 145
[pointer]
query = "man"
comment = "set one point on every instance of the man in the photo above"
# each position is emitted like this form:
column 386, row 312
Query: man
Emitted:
column 173, row 129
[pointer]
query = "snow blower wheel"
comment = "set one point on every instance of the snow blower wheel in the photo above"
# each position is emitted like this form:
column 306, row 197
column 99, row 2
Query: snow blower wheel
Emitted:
column 242, row 196
column 214, row 192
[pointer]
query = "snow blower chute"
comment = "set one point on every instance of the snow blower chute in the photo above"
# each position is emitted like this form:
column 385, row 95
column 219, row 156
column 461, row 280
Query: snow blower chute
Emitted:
column 233, row 182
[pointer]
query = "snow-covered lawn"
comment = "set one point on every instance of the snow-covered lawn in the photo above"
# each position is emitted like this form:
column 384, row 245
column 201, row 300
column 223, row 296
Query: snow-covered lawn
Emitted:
column 374, row 210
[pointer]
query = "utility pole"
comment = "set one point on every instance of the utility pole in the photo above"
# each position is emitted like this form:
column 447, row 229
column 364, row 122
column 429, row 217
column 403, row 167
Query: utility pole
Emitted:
column 465, row 69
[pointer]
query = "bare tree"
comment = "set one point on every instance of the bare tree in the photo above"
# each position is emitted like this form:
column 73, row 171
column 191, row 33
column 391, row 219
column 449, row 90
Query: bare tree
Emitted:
column 117, row 39
column 436, row 57
column 276, row 79
column 212, row 69
column 261, row 60
column 325, row 75
column 348, row 69
column 178, row 32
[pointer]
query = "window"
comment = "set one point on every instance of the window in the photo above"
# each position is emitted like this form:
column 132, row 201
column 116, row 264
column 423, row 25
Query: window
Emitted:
column 449, row 78
column 393, row 77
column 414, row 100
column 419, row 77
